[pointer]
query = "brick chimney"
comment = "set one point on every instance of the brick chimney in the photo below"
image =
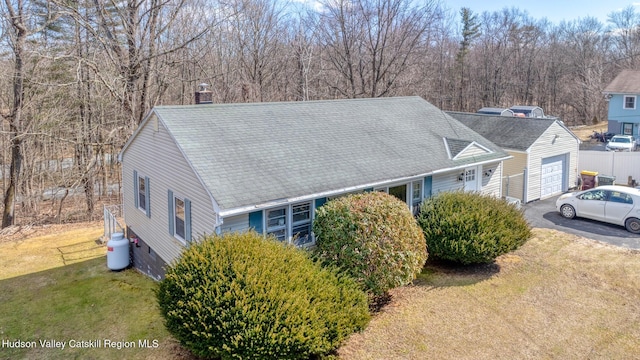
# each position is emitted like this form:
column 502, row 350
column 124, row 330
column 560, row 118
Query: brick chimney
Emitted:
column 204, row 95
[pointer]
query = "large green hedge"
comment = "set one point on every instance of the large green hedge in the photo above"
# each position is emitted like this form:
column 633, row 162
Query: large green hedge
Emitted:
column 470, row 228
column 243, row 296
column 373, row 237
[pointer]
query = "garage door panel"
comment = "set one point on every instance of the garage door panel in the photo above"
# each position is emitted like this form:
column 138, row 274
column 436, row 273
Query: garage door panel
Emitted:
column 552, row 176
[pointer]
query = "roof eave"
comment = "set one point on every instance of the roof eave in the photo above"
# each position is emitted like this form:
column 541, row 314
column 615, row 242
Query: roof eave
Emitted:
column 286, row 201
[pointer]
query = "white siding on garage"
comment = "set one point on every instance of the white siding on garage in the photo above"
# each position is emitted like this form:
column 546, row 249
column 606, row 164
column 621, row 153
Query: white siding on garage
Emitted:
column 168, row 171
column 547, row 146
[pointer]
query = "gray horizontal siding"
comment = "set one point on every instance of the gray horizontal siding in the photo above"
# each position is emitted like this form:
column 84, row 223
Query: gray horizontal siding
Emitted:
column 446, row 182
column 491, row 185
column 239, row 223
column 154, row 154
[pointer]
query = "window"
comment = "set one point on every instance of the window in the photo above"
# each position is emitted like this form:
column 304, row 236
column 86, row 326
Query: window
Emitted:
column 627, row 128
column 416, row 196
column 620, row 197
column 142, row 194
column 179, row 217
column 629, row 102
column 301, row 224
column 470, row 175
column 399, row 191
column 277, row 223
column 599, row 195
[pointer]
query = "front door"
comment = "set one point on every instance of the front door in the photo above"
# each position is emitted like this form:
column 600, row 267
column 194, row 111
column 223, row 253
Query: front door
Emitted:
column 471, row 179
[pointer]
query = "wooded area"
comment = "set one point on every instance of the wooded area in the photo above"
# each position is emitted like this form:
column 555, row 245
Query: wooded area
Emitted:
column 78, row 76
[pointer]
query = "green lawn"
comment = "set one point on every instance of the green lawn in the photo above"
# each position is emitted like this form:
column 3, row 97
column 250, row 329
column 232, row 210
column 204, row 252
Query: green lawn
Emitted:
column 78, row 304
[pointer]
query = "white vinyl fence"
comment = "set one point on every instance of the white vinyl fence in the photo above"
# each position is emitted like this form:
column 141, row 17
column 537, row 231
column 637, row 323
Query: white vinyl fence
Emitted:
column 513, row 186
column 618, row 164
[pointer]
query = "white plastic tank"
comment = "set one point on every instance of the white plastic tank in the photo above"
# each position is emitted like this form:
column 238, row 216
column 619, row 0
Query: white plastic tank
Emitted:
column 117, row 252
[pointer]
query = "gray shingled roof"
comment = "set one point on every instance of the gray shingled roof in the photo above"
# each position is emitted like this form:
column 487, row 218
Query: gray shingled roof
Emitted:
column 627, row 82
column 456, row 146
column 512, row 133
column 253, row 153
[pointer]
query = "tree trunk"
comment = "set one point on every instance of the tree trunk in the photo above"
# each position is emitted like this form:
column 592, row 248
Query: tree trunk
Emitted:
column 15, row 117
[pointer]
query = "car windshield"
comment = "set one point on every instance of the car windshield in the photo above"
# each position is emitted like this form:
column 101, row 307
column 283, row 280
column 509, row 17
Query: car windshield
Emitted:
column 620, row 140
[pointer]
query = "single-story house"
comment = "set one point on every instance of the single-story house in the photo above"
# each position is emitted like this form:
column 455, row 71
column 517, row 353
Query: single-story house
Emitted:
column 528, row 111
column 199, row 169
column 623, row 112
column 545, row 153
column 496, row 111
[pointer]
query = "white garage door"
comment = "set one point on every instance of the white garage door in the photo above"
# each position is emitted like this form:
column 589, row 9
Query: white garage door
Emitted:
column 552, row 176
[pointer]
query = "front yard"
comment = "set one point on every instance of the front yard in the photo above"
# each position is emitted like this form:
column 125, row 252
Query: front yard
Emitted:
column 558, row 296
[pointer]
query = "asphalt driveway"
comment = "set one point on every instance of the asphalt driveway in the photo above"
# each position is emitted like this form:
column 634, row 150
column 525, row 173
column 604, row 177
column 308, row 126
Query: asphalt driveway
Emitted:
column 543, row 214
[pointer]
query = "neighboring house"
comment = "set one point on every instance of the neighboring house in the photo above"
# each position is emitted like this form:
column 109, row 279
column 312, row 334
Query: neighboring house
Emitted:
column 528, row 111
column 622, row 94
column 545, row 153
column 199, row 169
column 495, row 111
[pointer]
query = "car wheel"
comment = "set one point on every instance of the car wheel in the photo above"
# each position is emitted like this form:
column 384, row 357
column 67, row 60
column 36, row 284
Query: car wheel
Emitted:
column 632, row 225
column 567, row 211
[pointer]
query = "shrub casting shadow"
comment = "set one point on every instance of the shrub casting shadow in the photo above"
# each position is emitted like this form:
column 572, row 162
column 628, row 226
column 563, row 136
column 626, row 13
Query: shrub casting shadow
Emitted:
column 443, row 273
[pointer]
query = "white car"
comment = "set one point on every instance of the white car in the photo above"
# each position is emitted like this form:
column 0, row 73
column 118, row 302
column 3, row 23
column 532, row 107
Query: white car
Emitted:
column 614, row 204
column 621, row 143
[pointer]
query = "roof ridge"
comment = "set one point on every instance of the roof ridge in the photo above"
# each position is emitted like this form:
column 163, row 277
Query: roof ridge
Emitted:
column 286, row 102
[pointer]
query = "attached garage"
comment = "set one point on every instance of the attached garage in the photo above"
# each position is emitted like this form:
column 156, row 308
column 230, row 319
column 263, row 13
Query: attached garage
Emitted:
column 544, row 153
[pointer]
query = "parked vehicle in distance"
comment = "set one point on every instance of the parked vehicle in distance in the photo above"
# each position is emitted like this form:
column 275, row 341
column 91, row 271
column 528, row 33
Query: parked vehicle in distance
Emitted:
column 621, row 143
column 602, row 136
column 613, row 204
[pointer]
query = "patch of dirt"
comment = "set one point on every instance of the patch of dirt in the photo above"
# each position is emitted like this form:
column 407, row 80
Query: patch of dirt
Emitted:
column 22, row 232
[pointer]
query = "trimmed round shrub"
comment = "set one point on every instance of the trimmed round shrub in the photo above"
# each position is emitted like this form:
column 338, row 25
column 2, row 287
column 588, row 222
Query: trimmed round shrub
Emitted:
column 243, row 296
column 471, row 228
column 373, row 237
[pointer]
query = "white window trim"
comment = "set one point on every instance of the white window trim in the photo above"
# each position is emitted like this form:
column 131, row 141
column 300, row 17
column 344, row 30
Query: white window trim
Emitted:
column 309, row 222
column 285, row 226
column 288, row 226
column 624, row 102
column 140, row 205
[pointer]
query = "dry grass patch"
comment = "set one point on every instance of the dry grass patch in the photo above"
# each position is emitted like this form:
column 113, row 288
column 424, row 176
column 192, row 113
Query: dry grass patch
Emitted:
column 558, row 296
column 29, row 250
column 583, row 132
